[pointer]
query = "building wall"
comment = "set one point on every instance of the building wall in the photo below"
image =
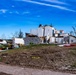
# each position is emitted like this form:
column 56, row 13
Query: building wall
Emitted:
column 18, row 41
column 60, row 40
column 35, row 40
column 56, row 35
column 48, row 31
column 64, row 34
column 34, row 31
column 40, row 32
column 3, row 42
column 72, row 39
column 52, row 39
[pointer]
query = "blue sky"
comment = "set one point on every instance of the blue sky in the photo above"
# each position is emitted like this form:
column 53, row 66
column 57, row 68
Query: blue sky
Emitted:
column 28, row 14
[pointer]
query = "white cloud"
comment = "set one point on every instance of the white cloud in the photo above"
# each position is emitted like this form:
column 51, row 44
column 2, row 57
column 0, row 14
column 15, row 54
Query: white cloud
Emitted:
column 26, row 12
column 38, row 16
column 49, row 5
column 13, row 12
column 16, row 12
column 3, row 10
column 10, row 12
column 55, row 1
column 13, row 6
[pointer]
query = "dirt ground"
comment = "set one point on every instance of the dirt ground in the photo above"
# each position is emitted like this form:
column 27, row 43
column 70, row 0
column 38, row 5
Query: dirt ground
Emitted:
column 1, row 73
column 43, row 57
column 16, row 70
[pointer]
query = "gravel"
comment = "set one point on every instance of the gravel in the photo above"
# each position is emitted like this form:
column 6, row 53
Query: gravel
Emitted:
column 15, row 70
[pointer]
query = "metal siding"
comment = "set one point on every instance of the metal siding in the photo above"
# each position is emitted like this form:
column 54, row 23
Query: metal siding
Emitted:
column 40, row 32
column 52, row 40
column 34, row 31
column 59, row 40
column 48, row 31
column 72, row 38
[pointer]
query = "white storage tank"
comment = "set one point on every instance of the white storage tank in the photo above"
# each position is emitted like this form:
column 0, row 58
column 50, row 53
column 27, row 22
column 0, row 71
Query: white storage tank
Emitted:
column 40, row 32
column 48, row 31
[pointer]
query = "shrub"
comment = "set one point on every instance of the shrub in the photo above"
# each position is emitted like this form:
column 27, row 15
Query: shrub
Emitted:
column 0, row 59
column 31, row 43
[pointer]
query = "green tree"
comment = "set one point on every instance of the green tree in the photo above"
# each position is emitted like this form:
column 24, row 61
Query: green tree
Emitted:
column 20, row 35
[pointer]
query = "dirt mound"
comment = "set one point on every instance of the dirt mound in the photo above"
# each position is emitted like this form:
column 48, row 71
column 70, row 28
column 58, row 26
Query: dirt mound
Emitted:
column 55, row 58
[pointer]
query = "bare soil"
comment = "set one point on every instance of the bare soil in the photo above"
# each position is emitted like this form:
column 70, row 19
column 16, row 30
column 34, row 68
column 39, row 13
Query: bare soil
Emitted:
column 16, row 70
column 1, row 73
column 43, row 57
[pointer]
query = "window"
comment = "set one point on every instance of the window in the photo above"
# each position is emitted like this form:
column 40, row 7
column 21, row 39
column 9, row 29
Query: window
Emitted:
column 71, row 40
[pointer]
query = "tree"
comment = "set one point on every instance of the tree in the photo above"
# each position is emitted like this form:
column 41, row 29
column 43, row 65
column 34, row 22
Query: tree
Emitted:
column 3, row 36
column 18, row 34
column 73, row 32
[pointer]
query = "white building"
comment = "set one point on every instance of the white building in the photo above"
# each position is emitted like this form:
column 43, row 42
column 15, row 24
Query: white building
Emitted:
column 40, row 32
column 18, row 41
column 51, row 35
column 72, row 39
column 3, row 41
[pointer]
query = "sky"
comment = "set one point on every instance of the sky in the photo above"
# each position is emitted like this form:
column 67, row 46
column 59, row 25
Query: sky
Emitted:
column 28, row 14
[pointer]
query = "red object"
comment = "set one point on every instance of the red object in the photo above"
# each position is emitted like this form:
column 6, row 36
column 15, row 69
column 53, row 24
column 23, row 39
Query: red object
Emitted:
column 0, row 48
column 71, row 45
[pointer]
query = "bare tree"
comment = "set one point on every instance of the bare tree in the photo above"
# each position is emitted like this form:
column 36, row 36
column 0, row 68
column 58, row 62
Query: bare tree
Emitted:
column 71, row 33
column 18, row 34
column 15, row 35
column 3, row 36
column 74, row 30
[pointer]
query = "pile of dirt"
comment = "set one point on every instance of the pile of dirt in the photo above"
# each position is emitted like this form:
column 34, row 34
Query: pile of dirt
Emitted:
column 56, row 58
column 1, row 73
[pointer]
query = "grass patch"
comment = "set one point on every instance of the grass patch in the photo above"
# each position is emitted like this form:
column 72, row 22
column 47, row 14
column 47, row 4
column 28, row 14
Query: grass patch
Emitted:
column 39, row 45
column 16, row 50
column 0, row 59
column 27, row 48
